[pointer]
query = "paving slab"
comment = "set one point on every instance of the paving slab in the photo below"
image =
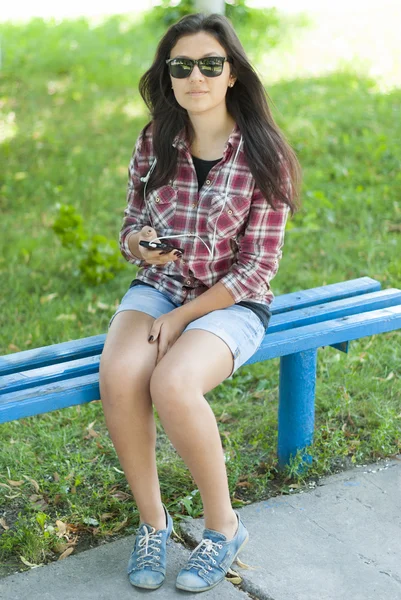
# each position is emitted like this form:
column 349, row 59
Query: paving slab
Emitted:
column 341, row 541
column 99, row 574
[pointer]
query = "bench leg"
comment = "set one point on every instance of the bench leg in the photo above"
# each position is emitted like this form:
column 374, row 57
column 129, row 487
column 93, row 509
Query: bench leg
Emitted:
column 296, row 413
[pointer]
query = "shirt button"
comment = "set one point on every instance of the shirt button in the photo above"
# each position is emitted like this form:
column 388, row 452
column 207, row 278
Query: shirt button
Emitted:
column 230, row 212
column 188, row 282
column 153, row 269
column 208, row 182
column 157, row 199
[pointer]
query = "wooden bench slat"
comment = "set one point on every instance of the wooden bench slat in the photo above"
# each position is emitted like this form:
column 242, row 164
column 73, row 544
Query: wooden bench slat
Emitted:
column 50, row 355
column 325, row 293
column 324, row 334
column 50, row 397
column 91, row 346
column 84, row 389
column 50, row 374
column 283, row 321
column 334, row 310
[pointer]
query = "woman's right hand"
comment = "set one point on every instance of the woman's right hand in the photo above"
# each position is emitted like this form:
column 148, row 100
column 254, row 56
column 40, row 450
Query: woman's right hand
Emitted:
column 154, row 257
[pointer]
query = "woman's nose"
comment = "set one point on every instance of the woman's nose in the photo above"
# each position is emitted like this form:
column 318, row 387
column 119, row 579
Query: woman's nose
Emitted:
column 196, row 73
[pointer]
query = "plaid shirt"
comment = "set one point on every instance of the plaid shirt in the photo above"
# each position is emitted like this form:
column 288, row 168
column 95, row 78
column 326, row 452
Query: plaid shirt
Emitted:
column 249, row 233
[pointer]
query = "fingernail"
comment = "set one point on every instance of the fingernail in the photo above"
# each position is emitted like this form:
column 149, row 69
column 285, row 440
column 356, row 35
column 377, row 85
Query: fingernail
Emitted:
column 150, row 338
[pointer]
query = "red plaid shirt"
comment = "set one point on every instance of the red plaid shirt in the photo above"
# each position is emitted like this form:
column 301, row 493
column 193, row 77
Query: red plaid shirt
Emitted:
column 249, row 233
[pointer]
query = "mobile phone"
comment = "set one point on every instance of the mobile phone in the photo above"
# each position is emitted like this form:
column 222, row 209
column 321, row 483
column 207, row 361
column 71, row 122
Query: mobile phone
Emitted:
column 159, row 246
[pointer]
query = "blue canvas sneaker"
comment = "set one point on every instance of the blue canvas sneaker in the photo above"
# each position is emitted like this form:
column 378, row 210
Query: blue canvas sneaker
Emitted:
column 147, row 563
column 211, row 559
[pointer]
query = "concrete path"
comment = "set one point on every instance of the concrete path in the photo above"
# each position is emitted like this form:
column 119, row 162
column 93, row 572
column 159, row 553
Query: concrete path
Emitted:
column 340, row 541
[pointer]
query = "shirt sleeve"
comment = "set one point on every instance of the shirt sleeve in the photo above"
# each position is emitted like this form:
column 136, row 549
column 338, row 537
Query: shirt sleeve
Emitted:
column 135, row 214
column 259, row 249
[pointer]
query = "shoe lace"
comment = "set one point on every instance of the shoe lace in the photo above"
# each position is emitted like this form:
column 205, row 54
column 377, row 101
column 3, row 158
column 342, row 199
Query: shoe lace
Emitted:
column 202, row 556
column 148, row 552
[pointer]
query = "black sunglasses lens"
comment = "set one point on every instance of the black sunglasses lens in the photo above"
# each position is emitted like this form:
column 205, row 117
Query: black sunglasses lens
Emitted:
column 211, row 67
column 180, row 68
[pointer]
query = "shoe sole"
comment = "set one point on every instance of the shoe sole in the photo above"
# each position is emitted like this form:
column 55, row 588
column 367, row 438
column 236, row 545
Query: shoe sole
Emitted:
column 204, row 589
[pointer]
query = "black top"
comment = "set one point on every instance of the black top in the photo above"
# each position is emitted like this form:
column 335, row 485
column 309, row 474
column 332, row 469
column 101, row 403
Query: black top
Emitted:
column 202, row 168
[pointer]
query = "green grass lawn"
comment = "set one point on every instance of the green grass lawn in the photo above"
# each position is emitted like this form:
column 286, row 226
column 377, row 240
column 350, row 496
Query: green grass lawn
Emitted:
column 69, row 116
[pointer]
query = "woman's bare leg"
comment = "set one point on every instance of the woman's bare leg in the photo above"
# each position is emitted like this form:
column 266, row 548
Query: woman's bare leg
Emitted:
column 196, row 363
column 127, row 364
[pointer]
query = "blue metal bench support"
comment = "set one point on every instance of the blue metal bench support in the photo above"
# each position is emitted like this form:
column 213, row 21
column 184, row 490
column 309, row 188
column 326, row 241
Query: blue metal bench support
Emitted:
column 296, row 412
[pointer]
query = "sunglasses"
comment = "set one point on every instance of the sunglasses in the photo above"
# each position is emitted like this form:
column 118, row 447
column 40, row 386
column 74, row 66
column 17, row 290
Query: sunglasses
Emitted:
column 211, row 66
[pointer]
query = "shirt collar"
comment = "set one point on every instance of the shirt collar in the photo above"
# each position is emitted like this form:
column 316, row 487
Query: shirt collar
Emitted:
column 181, row 143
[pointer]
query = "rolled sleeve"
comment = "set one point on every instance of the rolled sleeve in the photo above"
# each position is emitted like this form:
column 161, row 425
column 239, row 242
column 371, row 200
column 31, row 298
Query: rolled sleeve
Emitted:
column 259, row 250
column 135, row 214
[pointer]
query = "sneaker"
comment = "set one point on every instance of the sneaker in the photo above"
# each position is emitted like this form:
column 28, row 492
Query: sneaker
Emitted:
column 211, row 559
column 147, row 563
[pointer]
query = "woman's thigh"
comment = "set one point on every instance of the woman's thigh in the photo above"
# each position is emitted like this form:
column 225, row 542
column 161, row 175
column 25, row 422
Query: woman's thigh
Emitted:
column 128, row 359
column 238, row 327
column 209, row 350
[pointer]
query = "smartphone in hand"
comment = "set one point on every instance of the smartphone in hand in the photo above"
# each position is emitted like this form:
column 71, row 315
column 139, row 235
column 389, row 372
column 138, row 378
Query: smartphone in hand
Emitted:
column 159, row 246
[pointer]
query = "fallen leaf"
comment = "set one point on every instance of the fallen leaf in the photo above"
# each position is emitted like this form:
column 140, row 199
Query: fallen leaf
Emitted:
column 28, row 564
column 4, row 524
column 63, row 317
column 62, row 528
column 120, row 526
column 15, row 483
column 35, row 497
column 121, row 496
column 103, row 306
column 13, row 347
column 93, row 433
column 34, row 483
column 233, row 577
column 6, row 486
column 56, row 476
column 66, row 553
column 48, row 298
column 104, row 516
column 60, row 547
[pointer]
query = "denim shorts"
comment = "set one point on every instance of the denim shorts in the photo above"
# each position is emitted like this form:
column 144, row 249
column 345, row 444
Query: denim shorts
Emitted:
column 238, row 326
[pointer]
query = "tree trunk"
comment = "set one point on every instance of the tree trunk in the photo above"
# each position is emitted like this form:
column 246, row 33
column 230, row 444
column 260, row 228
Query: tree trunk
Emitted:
column 210, row 6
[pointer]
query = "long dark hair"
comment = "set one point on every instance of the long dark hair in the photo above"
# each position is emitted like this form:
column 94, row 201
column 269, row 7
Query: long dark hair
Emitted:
column 272, row 161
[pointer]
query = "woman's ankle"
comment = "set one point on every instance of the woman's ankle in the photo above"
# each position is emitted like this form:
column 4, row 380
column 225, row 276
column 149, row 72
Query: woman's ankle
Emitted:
column 158, row 521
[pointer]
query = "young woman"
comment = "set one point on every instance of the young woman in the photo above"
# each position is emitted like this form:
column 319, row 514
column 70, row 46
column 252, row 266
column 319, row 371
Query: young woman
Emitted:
column 212, row 175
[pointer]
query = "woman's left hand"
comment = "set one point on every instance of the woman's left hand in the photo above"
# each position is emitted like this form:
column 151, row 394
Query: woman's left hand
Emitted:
column 167, row 329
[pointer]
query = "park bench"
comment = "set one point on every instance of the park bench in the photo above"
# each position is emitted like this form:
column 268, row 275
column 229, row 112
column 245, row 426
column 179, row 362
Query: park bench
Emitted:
column 53, row 377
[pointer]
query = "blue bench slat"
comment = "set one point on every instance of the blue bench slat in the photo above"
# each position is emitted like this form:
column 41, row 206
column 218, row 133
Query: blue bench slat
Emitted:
column 283, row 321
column 50, row 374
column 90, row 346
column 84, row 389
column 50, row 355
column 325, row 334
column 50, row 397
column 333, row 310
column 325, row 293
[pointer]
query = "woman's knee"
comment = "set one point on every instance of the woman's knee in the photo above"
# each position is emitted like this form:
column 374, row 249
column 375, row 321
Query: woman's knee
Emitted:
column 121, row 378
column 170, row 384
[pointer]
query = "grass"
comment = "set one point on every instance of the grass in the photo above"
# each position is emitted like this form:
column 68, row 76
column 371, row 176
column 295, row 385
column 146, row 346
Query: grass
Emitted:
column 69, row 116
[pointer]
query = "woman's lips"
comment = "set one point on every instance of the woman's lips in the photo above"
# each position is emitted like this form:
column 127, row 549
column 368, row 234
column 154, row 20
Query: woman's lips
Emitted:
column 197, row 93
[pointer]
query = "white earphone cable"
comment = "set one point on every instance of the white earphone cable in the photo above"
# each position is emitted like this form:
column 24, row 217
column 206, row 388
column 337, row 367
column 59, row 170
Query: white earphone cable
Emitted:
column 211, row 251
